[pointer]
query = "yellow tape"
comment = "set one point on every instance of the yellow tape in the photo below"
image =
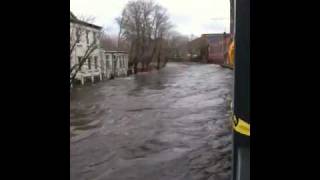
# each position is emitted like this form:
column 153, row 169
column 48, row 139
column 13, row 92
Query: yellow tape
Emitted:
column 241, row 126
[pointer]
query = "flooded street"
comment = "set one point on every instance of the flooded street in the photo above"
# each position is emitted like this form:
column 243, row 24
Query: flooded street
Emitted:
column 171, row 124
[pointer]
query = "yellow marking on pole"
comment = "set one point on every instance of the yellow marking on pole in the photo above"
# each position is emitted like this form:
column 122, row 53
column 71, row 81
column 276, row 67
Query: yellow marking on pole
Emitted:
column 241, row 126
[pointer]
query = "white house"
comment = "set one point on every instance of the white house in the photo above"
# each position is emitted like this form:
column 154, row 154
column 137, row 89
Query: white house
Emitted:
column 115, row 64
column 84, row 36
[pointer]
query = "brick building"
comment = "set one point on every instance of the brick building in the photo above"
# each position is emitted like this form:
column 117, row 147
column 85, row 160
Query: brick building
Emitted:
column 217, row 47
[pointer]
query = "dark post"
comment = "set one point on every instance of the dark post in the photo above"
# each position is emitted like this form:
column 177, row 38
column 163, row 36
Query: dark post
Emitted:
column 232, row 18
column 241, row 141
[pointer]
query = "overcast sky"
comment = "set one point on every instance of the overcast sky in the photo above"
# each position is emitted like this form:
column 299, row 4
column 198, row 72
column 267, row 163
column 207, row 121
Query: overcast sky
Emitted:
column 189, row 16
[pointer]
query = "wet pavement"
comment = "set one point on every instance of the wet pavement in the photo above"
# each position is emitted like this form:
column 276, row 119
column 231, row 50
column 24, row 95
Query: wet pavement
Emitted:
column 171, row 124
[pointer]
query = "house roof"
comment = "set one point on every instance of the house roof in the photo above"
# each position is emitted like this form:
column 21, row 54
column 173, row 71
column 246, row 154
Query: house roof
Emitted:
column 72, row 16
column 74, row 19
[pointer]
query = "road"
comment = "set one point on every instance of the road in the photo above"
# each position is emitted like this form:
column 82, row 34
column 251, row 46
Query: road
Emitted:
column 171, row 124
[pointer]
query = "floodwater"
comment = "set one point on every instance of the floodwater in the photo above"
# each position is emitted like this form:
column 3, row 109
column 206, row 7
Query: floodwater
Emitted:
column 171, row 124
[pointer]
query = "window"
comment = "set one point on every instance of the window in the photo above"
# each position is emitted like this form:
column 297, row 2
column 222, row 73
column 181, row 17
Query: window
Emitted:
column 107, row 64
column 78, row 35
column 87, row 36
column 79, row 61
column 96, row 62
column 94, row 37
column 89, row 63
column 122, row 64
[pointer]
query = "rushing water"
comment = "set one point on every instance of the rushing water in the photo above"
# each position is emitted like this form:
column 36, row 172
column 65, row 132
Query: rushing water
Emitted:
column 171, row 124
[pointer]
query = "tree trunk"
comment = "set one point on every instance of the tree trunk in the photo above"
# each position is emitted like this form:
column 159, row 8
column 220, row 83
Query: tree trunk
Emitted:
column 143, row 66
column 165, row 61
column 159, row 55
column 158, row 61
column 135, row 66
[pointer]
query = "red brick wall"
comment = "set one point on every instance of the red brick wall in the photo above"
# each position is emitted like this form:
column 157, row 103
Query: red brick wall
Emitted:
column 218, row 44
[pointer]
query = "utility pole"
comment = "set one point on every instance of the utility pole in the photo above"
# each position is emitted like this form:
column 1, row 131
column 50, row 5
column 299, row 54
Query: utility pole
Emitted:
column 232, row 18
column 241, row 99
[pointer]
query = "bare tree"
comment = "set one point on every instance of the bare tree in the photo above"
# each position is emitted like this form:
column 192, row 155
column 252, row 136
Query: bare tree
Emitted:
column 195, row 46
column 120, row 21
column 108, row 41
column 162, row 25
column 178, row 45
column 143, row 24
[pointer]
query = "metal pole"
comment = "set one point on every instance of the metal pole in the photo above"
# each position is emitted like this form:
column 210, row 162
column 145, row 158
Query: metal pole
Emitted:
column 241, row 99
